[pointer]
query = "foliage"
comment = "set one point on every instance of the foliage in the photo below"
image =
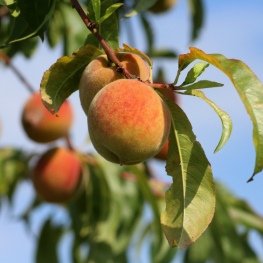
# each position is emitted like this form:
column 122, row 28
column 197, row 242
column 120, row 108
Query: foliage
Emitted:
column 110, row 214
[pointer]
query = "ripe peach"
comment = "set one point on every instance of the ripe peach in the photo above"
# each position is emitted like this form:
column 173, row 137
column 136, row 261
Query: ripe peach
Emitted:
column 162, row 155
column 40, row 125
column 101, row 72
column 128, row 122
column 161, row 6
column 57, row 175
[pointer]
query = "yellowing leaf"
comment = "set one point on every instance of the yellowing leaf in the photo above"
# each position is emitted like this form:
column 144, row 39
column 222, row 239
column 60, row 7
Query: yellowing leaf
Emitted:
column 248, row 86
column 190, row 201
column 224, row 117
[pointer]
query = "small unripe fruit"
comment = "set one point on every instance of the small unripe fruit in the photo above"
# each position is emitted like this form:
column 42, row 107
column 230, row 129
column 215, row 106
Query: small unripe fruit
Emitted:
column 128, row 122
column 40, row 125
column 161, row 6
column 57, row 175
column 101, row 72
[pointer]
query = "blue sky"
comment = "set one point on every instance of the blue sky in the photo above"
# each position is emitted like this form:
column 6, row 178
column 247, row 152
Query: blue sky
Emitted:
column 232, row 28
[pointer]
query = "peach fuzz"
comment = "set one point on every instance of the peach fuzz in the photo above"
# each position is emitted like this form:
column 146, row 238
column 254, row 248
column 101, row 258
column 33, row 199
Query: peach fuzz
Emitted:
column 57, row 175
column 128, row 122
column 40, row 125
column 101, row 72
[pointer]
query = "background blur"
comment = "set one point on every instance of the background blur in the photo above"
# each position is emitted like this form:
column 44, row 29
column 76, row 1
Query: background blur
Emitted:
column 232, row 28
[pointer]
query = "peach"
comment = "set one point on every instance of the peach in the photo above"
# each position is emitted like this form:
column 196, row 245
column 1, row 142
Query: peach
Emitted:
column 128, row 122
column 101, row 72
column 161, row 6
column 57, row 175
column 162, row 155
column 40, row 125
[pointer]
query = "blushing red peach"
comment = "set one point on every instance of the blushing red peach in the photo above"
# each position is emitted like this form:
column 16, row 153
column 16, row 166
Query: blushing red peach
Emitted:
column 57, row 175
column 40, row 125
column 128, row 122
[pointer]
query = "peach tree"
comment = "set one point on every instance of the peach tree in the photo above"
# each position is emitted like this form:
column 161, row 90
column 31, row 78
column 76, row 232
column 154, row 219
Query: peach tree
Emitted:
column 130, row 119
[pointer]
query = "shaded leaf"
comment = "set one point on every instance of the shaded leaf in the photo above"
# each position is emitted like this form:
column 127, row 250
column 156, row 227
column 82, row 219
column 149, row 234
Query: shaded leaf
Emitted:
column 197, row 15
column 248, row 86
column 190, row 201
column 62, row 78
column 32, row 19
column 224, row 117
column 140, row 6
column 48, row 242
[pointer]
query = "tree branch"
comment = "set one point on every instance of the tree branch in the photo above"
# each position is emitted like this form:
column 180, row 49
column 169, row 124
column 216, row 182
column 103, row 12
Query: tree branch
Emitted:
column 93, row 29
column 17, row 72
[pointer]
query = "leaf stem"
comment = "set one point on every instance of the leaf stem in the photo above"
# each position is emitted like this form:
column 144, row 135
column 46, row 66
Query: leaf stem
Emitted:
column 93, row 29
column 17, row 72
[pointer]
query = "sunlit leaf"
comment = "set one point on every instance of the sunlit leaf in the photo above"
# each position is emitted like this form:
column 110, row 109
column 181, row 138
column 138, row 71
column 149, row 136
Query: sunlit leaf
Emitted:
column 201, row 84
column 109, row 12
column 224, row 117
column 109, row 30
column 62, row 78
column 195, row 72
column 248, row 86
column 190, row 201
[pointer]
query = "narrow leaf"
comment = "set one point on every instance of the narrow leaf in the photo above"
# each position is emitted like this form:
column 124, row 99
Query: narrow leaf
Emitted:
column 195, row 72
column 62, row 78
column 224, row 117
column 249, row 88
column 190, row 201
column 47, row 244
column 96, row 5
column 197, row 15
column 202, row 84
column 140, row 6
column 109, row 12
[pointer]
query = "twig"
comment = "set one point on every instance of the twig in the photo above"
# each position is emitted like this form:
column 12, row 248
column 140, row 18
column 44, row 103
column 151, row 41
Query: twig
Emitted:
column 93, row 29
column 8, row 63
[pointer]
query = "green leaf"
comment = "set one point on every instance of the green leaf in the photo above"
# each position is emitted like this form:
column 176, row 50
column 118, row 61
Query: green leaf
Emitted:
column 202, row 84
column 32, row 19
column 13, row 168
column 139, row 7
column 110, row 29
column 195, row 72
column 197, row 15
column 109, row 11
column 62, row 78
column 228, row 242
column 148, row 30
column 190, row 201
column 48, row 243
column 224, row 117
column 96, row 6
column 66, row 25
column 248, row 86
